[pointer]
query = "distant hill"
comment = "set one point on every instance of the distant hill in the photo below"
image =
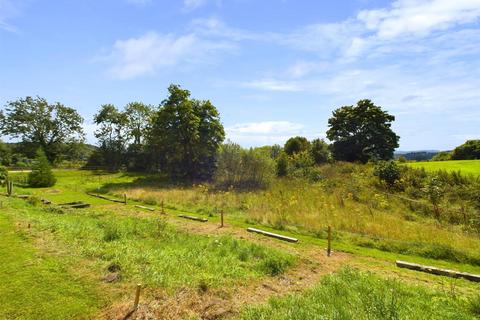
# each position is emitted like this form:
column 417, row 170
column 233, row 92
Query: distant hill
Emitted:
column 420, row 155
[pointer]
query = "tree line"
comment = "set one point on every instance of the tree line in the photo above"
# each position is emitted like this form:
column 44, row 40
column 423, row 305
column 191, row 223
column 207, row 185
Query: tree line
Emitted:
column 183, row 138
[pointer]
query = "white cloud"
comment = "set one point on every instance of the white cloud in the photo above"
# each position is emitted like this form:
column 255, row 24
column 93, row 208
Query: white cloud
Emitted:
column 193, row 4
column 263, row 133
column 266, row 127
column 273, row 85
column 419, row 17
column 152, row 51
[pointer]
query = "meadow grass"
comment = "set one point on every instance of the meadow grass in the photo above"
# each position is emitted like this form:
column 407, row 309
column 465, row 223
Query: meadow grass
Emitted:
column 343, row 199
column 34, row 285
column 467, row 167
column 351, row 294
column 150, row 251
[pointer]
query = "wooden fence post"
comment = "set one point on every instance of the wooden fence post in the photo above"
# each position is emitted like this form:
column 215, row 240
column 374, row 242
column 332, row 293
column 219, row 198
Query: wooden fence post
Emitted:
column 137, row 296
column 125, row 198
column 329, row 248
column 221, row 218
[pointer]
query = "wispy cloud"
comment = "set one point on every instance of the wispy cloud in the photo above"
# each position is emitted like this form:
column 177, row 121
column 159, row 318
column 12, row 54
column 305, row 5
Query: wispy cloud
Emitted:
column 8, row 10
column 152, row 51
column 273, row 85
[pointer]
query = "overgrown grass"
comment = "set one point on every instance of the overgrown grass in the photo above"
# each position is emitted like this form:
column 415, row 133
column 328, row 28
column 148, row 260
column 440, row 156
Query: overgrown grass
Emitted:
column 465, row 166
column 34, row 285
column 344, row 198
column 356, row 295
column 148, row 250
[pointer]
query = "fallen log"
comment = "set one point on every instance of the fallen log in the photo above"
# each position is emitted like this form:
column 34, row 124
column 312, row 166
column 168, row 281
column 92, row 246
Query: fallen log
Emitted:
column 193, row 218
column 438, row 271
column 272, row 235
column 75, row 205
column 104, row 198
column 146, row 208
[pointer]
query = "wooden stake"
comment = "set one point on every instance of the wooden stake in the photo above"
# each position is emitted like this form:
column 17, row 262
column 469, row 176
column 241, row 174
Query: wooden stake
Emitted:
column 125, row 198
column 221, row 219
column 137, row 296
column 329, row 248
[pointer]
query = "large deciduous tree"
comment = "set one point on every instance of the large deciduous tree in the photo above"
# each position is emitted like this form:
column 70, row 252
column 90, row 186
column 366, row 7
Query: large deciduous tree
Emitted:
column 112, row 135
column 42, row 125
column 296, row 145
column 185, row 136
column 362, row 132
column 470, row 150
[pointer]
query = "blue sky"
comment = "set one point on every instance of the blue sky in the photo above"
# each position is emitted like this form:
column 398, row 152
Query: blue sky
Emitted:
column 273, row 68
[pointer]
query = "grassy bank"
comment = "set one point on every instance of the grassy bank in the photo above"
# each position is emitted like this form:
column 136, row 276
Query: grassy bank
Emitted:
column 356, row 295
column 35, row 285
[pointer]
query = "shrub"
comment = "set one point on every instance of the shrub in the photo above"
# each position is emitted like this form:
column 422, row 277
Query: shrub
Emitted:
column 295, row 145
column 282, row 165
column 442, row 156
column 388, row 172
column 402, row 159
column 243, row 169
column 3, row 174
column 41, row 175
column 320, row 151
column 435, row 191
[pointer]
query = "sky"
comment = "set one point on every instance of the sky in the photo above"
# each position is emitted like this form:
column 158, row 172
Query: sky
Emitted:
column 273, row 68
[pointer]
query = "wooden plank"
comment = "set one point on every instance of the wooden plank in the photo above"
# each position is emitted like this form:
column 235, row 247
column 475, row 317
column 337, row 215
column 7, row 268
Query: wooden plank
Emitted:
column 104, row 198
column 146, row 208
column 193, row 218
column 438, row 271
column 272, row 235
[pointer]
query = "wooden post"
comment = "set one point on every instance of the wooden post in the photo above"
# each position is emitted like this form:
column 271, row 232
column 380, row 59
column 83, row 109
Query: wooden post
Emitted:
column 125, row 198
column 329, row 248
column 137, row 296
column 221, row 219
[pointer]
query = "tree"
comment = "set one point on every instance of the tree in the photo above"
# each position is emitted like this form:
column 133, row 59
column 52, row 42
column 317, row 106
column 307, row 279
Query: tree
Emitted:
column 470, row 150
column 435, row 191
column 442, row 156
column 282, row 165
column 139, row 120
column 296, row 145
column 41, row 174
column 320, row 151
column 42, row 125
column 185, row 136
column 112, row 135
column 361, row 133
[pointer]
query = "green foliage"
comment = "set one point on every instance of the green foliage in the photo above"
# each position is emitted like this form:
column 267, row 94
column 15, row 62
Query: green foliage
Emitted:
column 3, row 174
column 243, row 169
column 42, row 125
column 352, row 294
column 470, row 150
column 442, row 156
column 185, row 136
column 320, row 151
column 435, row 191
column 361, row 133
column 112, row 137
column 402, row 159
column 41, row 174
column 282, row 165
column 296, row 145
column 388, row 172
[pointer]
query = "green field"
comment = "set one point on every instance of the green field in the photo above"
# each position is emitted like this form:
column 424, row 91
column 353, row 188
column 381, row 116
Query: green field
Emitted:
column 468, row 167
column 55, row 262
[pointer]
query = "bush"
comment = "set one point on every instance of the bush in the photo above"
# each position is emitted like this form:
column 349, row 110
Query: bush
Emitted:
column 388, row 172
column 243, row 169
column 296, row 145
column 282, row 165
column 41, row 175
column 402, row 159
column 442, row 156
column 3, row 174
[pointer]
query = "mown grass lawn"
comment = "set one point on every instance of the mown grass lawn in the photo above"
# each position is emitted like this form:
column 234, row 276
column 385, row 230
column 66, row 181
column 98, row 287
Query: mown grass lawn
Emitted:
column 464, row 166
column 34, row 285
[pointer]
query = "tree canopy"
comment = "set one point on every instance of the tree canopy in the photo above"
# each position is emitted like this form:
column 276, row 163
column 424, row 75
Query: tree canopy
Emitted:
column 362, row 132
column 185, row 135
column 40, row 124
column 470, row 150
column 296, row 145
